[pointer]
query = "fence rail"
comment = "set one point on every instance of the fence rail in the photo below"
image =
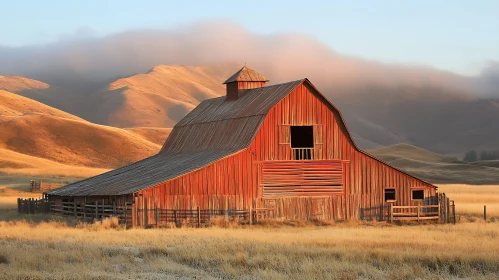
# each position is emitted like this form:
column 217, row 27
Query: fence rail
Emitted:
column 414, row 213
column 129, row 216
column 444, row 211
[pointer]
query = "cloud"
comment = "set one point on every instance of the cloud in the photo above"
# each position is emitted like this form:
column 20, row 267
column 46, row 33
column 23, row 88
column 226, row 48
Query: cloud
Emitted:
column 281, row 57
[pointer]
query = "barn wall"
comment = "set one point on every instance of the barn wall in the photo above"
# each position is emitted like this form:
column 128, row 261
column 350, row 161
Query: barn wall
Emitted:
column 367, row 177
column 235, row 182
column 207, row 188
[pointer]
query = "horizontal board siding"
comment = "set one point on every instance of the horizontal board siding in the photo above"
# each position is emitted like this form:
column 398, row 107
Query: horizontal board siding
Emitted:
column 302, row 178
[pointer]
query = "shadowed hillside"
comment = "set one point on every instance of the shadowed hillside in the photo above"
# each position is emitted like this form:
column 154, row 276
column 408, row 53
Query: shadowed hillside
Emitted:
column 434, row 167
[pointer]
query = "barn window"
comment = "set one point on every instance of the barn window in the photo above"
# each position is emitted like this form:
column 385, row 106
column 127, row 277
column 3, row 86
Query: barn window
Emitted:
column 302, row 136
column 390, row 195
column 302, row 142
column 417, row 194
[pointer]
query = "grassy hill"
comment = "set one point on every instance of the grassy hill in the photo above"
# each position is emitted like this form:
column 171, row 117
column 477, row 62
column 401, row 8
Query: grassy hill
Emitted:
column 159, row 98
column 37, row 139
column 434, row 167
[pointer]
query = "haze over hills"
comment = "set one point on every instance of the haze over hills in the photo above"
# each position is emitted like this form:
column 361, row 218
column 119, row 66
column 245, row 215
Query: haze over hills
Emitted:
column 440, row 119
column 383, row 103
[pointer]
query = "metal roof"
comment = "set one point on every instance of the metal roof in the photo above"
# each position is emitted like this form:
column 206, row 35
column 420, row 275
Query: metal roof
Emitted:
column 246, row 74
column 226, row 124
column 215, row 129
column 142, row 174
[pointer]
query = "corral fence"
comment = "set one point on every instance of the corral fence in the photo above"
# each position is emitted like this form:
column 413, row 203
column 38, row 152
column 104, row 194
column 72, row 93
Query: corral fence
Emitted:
column 438, row 208
column 441, row 209
column 193, row 217
column 33, row 206
column 142, row 217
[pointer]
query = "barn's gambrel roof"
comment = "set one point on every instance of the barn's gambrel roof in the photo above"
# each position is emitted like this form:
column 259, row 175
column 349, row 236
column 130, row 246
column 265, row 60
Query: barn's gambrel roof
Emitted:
column 215, row 129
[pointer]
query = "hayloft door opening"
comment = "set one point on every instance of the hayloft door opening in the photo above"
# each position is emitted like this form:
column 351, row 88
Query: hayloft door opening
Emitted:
column 302, row 142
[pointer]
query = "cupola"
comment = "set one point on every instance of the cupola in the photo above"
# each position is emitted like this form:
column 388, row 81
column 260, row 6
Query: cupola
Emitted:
column 245, row 78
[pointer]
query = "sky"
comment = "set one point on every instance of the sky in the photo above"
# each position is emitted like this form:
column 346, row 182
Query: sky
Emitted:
column 459, row 36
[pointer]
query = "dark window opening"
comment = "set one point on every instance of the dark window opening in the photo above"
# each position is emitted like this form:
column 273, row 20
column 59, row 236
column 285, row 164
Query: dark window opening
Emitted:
column 389, row 195
column 418, row 194
column 302, row 137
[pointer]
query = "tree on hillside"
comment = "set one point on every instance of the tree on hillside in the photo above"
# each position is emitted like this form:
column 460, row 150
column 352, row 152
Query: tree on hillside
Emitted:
column 471, row 156
column 489, row 155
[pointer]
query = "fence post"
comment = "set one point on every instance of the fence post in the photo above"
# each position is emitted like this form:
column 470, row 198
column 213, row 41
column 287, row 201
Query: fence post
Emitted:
column 157, row 214
column 124, row 214
column 419, row 211
column 175, row 217
column 199, row 218
column 381, row 212
column 485, row 212
column 448, row 210
column 74, row 207
column 439, row 209
column 96, row 209
column 102, row 214
column 19, row 205
column 454, row 210
column 390, row 216
column 85, row 210
column 250, row 215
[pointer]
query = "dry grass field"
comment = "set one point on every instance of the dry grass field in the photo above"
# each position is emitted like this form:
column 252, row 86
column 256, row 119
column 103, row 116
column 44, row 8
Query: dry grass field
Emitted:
column 41, row 248
column 470, row 199
column 344, row 251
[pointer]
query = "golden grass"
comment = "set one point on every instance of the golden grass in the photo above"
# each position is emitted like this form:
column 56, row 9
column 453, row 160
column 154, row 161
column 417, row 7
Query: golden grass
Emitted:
column 470, row 199
column 40, row 248
column 343, row 251
column 8, row 196
column 156, row 135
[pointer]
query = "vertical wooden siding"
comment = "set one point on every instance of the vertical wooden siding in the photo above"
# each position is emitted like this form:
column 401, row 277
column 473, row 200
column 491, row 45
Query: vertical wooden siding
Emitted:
column 234, row 182
column 367, row 176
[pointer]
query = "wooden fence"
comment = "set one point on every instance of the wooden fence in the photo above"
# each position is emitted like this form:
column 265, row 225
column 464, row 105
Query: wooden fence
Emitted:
column 439, row 208
column 129, row 216
column 33, row 206
column 444, row 211
column 198, row 217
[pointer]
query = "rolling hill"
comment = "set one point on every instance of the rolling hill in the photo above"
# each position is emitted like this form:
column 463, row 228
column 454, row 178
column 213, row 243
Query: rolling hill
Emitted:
column 156, row 135
column 159, row 98
column 441, row 119
column 434, row 167
column 38, row 139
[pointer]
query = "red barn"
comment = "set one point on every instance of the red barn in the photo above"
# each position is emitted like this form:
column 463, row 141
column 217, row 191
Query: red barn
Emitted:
column 282, row 151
